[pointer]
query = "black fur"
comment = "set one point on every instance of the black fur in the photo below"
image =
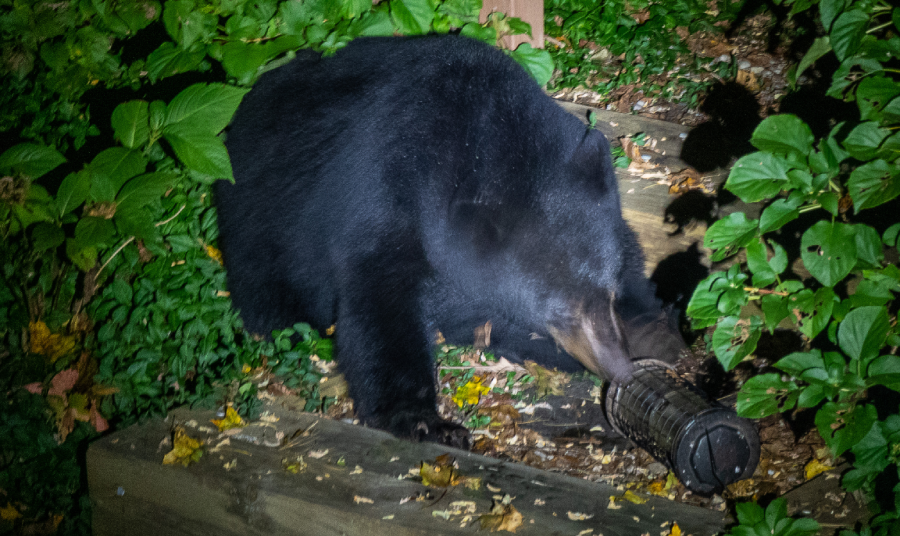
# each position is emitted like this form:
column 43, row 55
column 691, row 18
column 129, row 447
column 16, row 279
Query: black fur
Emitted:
column 410, row 185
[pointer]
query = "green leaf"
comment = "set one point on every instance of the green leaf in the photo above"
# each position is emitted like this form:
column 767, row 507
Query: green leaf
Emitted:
column 243, row 60
column 863, row 331
column 377, row 23
column 760, row 395
column 749, row 514
column 168, row 60
column 112, row 168
column 891, row 234
column 775, row 309
column 143, row 190
column 204, row 108
column 83, row 257
column 863, row 141
column 780, row 212
column 798, row 362
column 486, row 34
column 758, row 176
column 783, row 134
column 47, row 236
column 868, row 247
column 820, row 47
column 204, row 154
column 720, row 294
column 94, row 231
column 729, row 234
column 122, row 291
column 892, row 110
column 829, row 10
column 758, row 263
column 816, row 309
column 884, row 370
column 137, row 222
column 735, row 338
column 536, row 61
column 412, row 17
column 873, row 184
column 73, row 192
column 828, row 251
column 38, row 206
column 129, row 122
column 848, row 31
column 842, row 425
column 30, row 160
column 873, row 93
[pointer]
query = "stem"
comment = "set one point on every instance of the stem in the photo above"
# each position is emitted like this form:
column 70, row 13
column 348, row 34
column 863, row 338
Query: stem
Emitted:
column 766, row 291
column 879, row 27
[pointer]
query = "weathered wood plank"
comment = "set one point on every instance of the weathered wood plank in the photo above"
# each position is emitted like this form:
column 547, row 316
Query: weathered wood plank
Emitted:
column 133, row 493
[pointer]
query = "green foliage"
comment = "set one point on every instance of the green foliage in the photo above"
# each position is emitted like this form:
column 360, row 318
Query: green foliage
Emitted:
column 848, row 301
column 642, row 34
column 112, row 295
column 754, row 521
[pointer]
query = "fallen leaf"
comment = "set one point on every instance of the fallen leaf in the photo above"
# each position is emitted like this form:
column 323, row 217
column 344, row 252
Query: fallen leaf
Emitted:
column 815, row 467
column 294, row 465
column 578, row 516
column 231, row 420
column 547, row 382
column 362, row 500
column 47, row 344
column 470, row 393
column 214, row 254
column 185, row 449
column 483, row 336
column 9, row 512
column 502, row 517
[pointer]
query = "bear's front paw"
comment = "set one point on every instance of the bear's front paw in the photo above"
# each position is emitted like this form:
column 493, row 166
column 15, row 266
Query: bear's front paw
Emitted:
column 431, row 428
column 441, row 431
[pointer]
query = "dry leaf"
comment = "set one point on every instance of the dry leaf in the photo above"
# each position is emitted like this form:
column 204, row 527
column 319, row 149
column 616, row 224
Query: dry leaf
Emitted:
column 231, row 420
column 362, row 500
column 483, row 336
column 547, row 382
column 185, row 449
column 578, row 516
column 815, row 467
column 502, row 517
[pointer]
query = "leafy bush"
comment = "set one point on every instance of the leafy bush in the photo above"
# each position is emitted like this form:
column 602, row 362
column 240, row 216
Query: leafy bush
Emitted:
column 840, row 193
column 112, row 299
column 642, row 33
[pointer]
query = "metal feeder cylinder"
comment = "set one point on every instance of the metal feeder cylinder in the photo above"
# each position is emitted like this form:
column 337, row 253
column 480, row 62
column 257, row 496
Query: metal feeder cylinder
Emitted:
column 704, row 443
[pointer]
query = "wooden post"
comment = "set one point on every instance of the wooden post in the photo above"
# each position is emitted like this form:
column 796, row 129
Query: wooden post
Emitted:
column 530, row 11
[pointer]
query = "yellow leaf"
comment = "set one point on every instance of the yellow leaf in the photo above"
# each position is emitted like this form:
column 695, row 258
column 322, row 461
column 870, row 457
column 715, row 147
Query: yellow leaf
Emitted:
column 9, row 512
column 470, row 393
column 438, row 476
column 676, row 530
column 214, row 254
column 231, row 420
column 632, row 498
column 50, row 345
column 185, row 449
column 815, row 467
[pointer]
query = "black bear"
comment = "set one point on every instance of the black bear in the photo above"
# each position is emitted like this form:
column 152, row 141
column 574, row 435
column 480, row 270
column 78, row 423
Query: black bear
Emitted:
column 407, row 186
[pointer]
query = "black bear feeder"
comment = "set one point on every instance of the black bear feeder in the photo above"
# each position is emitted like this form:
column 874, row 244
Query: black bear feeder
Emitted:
column 705, row 444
